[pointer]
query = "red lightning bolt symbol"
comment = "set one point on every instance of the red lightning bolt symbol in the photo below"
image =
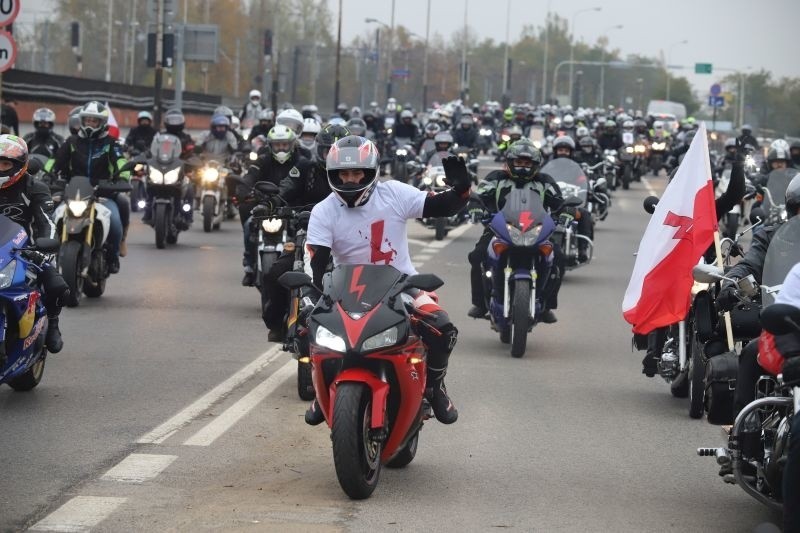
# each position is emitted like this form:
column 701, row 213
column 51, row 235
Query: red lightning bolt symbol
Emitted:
column 355, row 288
column 525, row 220
column 684, row 225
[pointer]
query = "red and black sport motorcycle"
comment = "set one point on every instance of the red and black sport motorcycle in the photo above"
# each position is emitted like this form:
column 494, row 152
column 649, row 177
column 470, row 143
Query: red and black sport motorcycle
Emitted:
column 369, row 368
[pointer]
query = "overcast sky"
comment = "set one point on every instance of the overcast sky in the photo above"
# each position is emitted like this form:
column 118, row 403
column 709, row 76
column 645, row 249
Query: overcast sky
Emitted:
column 727, row 33
column 736, row 34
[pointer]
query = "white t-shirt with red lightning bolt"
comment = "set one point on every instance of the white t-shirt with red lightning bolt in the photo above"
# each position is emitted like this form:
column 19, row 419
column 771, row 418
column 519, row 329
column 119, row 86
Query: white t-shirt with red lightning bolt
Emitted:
column 374, row 233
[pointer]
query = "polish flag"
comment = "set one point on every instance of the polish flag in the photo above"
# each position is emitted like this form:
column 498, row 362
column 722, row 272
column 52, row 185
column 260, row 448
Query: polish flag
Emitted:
column 680, row 231
column 113, row 126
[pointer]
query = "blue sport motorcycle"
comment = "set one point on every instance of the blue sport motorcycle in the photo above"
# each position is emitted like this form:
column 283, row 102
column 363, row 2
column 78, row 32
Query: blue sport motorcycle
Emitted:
column 519, row 261
column 23, row 319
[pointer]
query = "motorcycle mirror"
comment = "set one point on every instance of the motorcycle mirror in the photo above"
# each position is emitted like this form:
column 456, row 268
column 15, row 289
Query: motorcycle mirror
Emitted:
column 295, row 280
column 707, row 274
column 757, row 214
column 424, row 282
column 650, row 204
column 780, row 319
column 48, row 246
column 266, row 187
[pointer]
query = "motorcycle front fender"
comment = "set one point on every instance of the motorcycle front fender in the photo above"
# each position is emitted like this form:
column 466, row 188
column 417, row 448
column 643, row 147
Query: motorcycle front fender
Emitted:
column 379, row 389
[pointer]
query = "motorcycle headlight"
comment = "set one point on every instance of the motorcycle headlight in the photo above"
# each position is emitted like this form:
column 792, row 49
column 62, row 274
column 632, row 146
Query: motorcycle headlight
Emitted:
column 77, row 207
column 659, row 146
column 526, row 238
column 172, row 176
column 253, row 156
column 156, row 176
column 506, row 138
column 209, row 175
column 486, row 131
column 611, row 159
column 629, row 149
column 7, row 274
column 749, row 161
column 401, row 151
column 639, row 148
column 272, row 225
column 387, row 337
column 325, row 338
column 440, row 180
column 537, row 145
column 427, row 180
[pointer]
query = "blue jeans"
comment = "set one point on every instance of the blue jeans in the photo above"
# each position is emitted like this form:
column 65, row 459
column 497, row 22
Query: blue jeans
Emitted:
column 115, row 231
column 248, row 258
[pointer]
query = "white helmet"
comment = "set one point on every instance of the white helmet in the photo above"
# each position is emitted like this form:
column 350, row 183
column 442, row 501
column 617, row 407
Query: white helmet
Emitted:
column 255, row 94
column 292, row 119
column 235, row 123
column 658, row 125
column 780, row 144
column 279, row 138
column 308, row 139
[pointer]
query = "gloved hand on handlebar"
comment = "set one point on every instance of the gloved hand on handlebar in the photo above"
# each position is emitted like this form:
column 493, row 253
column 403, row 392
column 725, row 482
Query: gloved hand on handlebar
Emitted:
column 456, row 174
column 263, row 209
column 727, row 297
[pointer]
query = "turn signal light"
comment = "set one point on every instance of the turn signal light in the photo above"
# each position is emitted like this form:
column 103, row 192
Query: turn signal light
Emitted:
column 546, row 248
column 415, row 360
column 304, row 359
column 499, row 247
column 288, row 247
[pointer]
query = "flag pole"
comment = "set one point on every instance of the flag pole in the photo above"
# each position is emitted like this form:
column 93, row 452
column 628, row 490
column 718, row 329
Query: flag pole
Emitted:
column 727, row 315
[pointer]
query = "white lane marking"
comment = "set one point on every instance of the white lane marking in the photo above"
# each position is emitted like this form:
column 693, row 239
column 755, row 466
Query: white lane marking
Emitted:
column 421, row 258
column 418, row 242
column 452, row 235
column 649, row 187
column 139, row 467
column 230, row 416
column 417, row 264
column 81, row 513
column 168, row 428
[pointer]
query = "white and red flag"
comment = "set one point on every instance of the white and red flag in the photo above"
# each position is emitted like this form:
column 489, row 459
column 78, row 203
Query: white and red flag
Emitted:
column 680, row 231
column 113, row 126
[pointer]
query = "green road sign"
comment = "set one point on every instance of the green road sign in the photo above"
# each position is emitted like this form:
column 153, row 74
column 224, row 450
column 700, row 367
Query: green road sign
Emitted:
column 702, row 68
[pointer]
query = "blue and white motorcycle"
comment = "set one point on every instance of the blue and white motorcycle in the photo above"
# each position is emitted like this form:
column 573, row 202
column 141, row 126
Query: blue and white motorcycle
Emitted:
column 23, row 319
column 519, row 262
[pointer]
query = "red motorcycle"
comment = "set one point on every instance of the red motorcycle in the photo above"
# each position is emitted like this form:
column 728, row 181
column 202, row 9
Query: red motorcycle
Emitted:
column 368, row 368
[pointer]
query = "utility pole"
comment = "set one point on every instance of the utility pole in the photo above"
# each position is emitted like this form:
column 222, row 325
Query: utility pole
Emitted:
column 339, row 56
column 179, row 70
column 108, row 38
column 389, row 60
column 425, row 61
column 159, row 56
column 464, row 86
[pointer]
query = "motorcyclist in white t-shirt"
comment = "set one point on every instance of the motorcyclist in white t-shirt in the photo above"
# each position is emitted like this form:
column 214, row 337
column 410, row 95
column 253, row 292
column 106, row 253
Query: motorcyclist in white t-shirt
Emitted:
column 364, row 221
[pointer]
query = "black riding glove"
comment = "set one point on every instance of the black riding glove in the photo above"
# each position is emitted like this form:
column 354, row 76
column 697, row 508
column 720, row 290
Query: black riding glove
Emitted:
column 456, row 174
column 727, row 297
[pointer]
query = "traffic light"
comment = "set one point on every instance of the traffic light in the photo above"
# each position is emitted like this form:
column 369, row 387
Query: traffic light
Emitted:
column 267, row 42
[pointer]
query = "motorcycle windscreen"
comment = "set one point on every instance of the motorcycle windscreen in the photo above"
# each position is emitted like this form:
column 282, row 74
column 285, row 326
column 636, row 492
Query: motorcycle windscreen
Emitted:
column 359, row 288
column 437, row 158
column 523, row 209
column 536, row 135
column 12, row 235
column 566, row 171
column 79, row 188
column 165, row 148
column 777, row 182
column 783, row 253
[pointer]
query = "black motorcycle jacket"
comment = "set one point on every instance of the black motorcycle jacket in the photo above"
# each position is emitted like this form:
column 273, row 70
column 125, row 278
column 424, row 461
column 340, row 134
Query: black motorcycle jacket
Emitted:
column 591, row 159
column 97, row 159
column 44, row 145
column 749, row 139
column 266, row 168
column 753, row 260
column 140, row 137
column 610, row 141
column 465, row 137
column 309, row 186
column 28, row 203
column 497, row 184
column 405, row 131
column 257, row 130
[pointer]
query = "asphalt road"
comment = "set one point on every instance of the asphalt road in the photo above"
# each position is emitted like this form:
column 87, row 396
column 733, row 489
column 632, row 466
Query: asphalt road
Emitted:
column 569, row 438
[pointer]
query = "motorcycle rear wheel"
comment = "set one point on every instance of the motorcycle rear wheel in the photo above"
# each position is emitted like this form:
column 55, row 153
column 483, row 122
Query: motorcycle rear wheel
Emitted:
column 305, row 386
column 521, row 308
column 406, row 454
column 627, row 175
column 98, row 271
column 355, row 456
column 31, row 378
column 696, row 378
column 71, row 266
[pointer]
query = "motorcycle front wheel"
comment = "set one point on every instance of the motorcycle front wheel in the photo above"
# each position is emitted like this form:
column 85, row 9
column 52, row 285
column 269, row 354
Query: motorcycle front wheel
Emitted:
column 521, row 308
column 208, row 213
column 71, row 266
column 160, row 225
column 305, row 386
column 357, row 458
column 440, row 226
column 31, row 378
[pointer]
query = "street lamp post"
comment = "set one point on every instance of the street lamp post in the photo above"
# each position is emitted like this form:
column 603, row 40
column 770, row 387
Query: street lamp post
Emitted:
column 572, row 46
column 108, row 39
column 464, row 77
column 425, row 61
column 505, row 57
column 389, row 53
column 601, row 98
column 669, row 60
